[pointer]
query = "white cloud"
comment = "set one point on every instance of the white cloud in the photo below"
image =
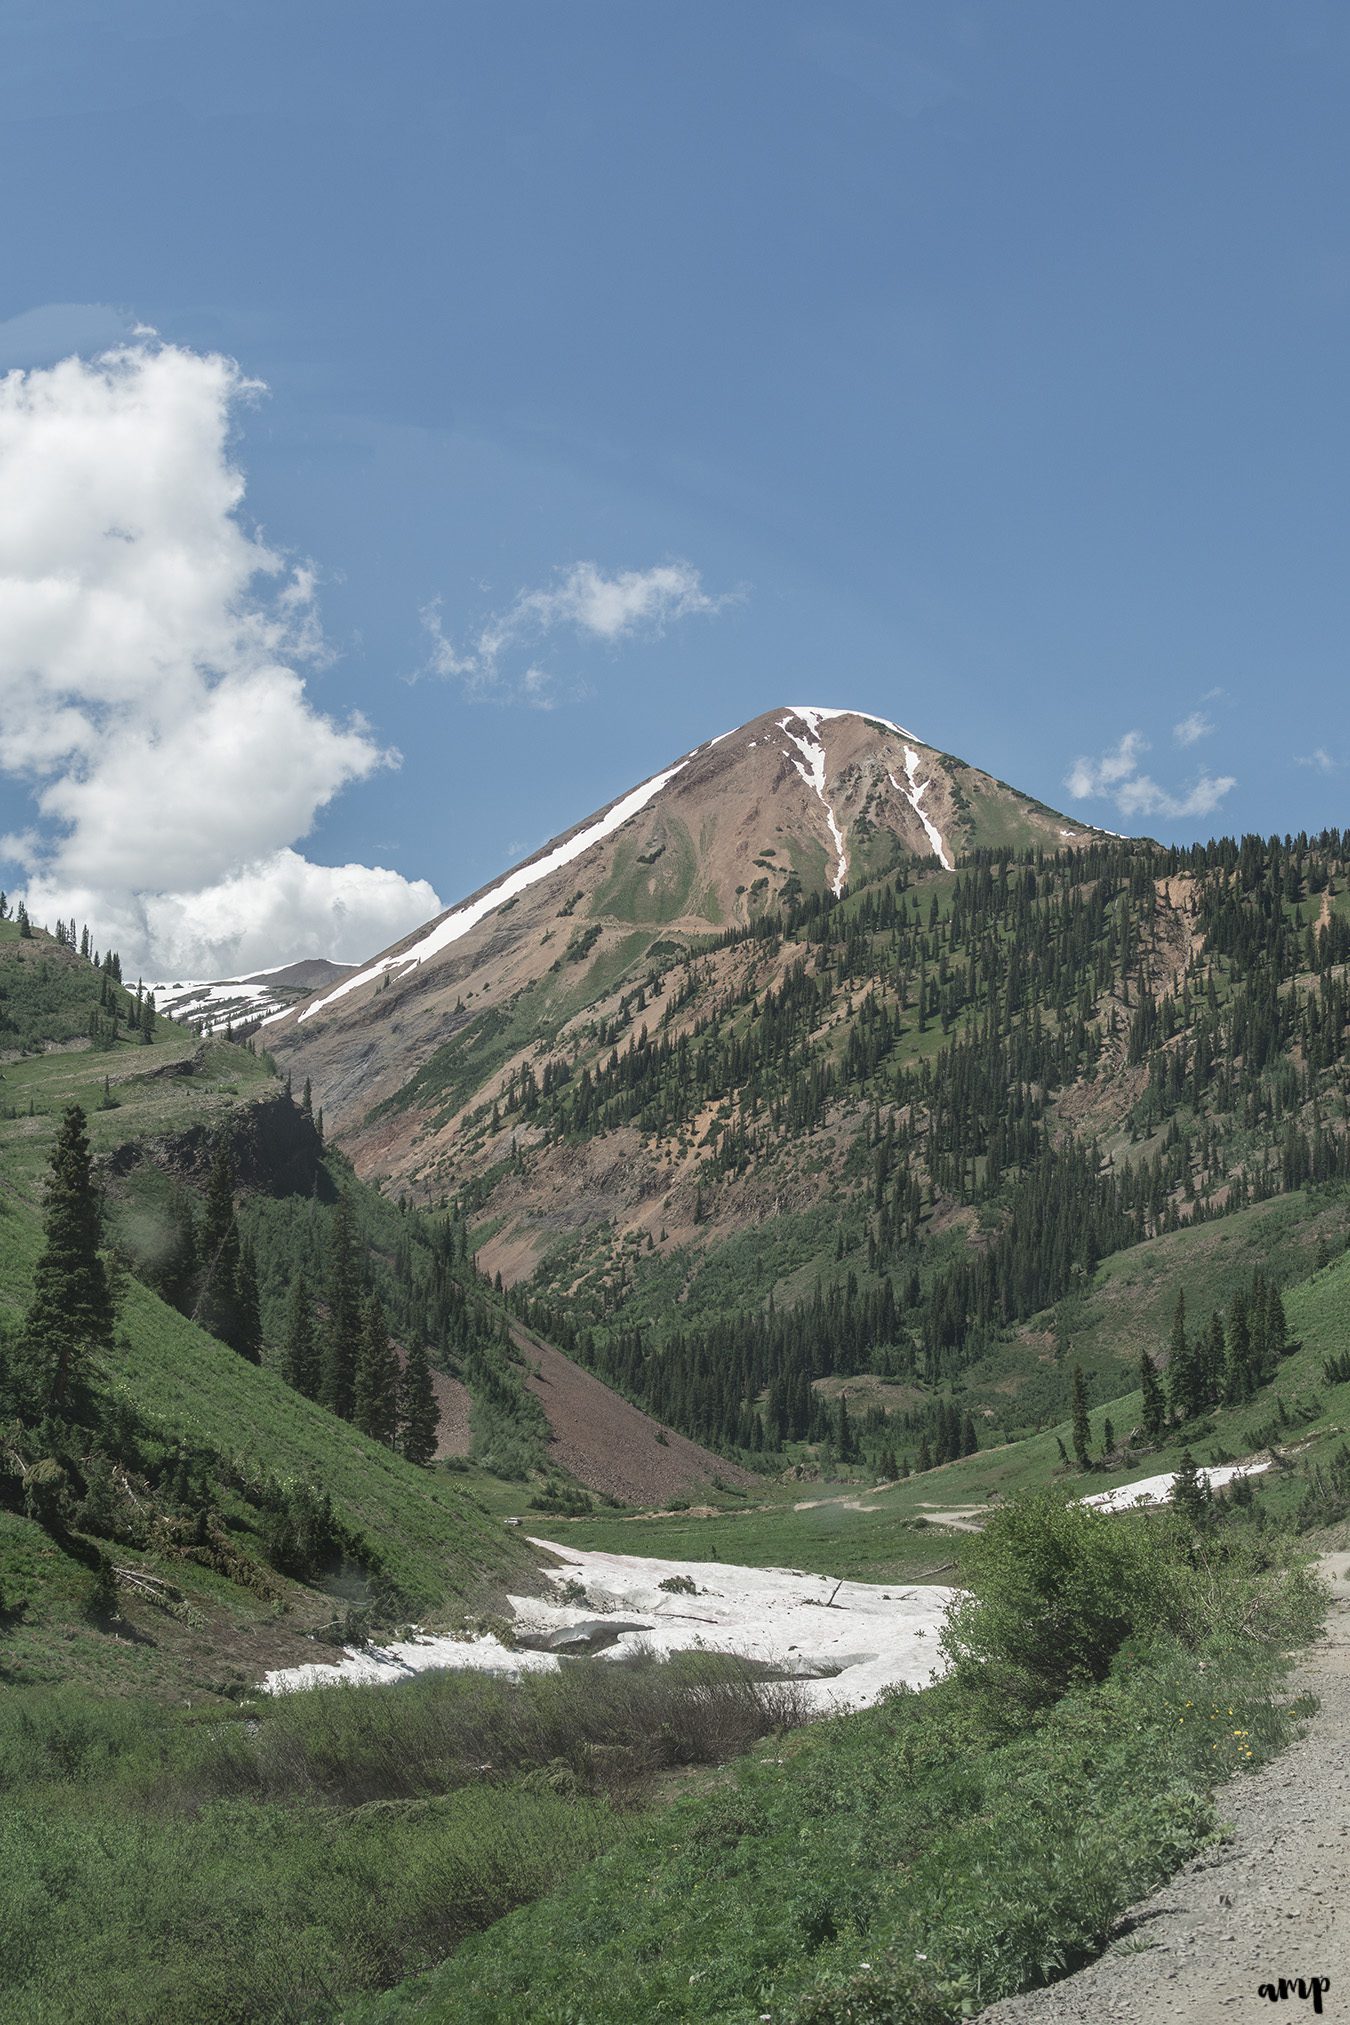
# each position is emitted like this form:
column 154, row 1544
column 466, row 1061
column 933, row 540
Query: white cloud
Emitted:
column 1100, row 776
column 277, row 907
column 1193, row 728
column 582, row 600
column 1319, row 758
column 1117, row 775
column 149, row 685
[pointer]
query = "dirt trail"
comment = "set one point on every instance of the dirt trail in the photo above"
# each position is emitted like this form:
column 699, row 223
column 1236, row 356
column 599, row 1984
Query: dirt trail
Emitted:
column 1272, row 1901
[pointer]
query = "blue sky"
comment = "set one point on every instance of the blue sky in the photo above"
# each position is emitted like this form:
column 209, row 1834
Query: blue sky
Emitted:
column 983, row 366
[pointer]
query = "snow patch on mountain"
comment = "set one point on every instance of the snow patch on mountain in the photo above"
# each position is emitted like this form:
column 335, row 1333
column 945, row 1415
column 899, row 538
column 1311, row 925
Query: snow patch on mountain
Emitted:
column 811, row 767
column 458, row 923
column 1160, row 1490
column 816, row 713
column 914, row 795
column 230, row 1001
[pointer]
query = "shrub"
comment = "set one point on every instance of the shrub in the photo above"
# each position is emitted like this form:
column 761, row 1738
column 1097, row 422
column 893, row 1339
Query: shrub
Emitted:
column 1058, row 1587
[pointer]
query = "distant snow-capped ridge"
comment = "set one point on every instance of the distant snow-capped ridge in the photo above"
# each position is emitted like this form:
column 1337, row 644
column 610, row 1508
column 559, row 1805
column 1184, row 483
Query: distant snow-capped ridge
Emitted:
column 244, row 1001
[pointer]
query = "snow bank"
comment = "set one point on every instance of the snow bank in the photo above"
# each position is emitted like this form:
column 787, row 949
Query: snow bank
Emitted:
column 847, row 1641
column 379, row 1664
column 1158, row 1490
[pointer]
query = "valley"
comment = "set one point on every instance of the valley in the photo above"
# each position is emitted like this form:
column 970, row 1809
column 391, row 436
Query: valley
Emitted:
column 706, row 1284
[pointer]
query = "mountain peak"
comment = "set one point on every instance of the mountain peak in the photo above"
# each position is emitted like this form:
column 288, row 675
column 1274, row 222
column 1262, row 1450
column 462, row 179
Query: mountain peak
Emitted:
column 804, row 799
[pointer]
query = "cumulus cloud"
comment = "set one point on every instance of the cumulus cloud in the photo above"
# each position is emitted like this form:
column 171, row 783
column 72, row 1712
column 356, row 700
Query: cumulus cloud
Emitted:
column 1118, row 775
column 1319, row 758
column 582, row 600
column 150, row 687
column 1193, row 728
column 261, row 913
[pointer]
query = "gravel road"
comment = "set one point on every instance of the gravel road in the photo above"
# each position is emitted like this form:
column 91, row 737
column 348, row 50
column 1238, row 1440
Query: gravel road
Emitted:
column 1272, row 1901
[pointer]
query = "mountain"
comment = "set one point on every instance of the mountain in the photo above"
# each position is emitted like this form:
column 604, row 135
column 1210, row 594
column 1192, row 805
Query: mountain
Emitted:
column 798, row 802
column 750, row 1138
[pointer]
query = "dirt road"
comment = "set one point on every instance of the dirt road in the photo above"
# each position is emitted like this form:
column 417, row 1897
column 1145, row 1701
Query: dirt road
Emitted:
column 1272, row 1901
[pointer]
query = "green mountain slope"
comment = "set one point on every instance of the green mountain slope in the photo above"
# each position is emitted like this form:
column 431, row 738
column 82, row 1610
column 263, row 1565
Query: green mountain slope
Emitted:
column 219, row 1604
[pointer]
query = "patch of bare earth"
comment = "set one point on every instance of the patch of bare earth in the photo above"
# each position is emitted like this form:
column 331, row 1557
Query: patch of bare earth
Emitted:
column 609, row 1445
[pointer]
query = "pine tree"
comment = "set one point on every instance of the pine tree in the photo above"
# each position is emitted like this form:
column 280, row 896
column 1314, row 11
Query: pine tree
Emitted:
column 343, row 1335
column 25, row 925
column 1190, row 1492
column 248, row 1321
column 70, row 1317
column 375, row 1390
column 1239, row 1375
column 300, row 1357
column 217, row 1307
column 1181, row 1365
column 419, row 1417
column 1154, row 1413
column 1082, row 1428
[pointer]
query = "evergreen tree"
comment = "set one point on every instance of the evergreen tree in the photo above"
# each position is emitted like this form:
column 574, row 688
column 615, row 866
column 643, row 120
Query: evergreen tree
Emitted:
column 1277, row 1327
column 25, row 925
column 300, row 1356
column 248, row 1321
column 419, row 1417
column 1239, row 1376
column 70, row 1317
column 375, row 1390
column 1154, row 1413
column 343, row 1334
column 1182, row 1388
column 1190, row 1492
column 218, row 1306
column 1082, row 1429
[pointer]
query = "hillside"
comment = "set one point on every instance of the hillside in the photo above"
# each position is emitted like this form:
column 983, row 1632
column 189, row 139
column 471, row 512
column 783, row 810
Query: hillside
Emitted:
column 175, row 1409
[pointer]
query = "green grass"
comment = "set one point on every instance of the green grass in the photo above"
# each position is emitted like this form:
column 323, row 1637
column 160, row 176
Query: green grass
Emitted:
column 269, row 1864
column 658, row 893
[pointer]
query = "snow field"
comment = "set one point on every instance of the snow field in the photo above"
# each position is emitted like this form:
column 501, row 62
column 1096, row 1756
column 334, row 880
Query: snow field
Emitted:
column 848, row 1642
column 1158, row 1490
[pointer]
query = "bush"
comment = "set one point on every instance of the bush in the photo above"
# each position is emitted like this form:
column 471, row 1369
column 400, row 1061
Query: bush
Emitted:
column 1058, row 1587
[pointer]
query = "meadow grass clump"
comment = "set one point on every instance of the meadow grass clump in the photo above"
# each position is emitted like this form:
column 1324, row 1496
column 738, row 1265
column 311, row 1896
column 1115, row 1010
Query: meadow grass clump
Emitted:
column 271, row 1862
